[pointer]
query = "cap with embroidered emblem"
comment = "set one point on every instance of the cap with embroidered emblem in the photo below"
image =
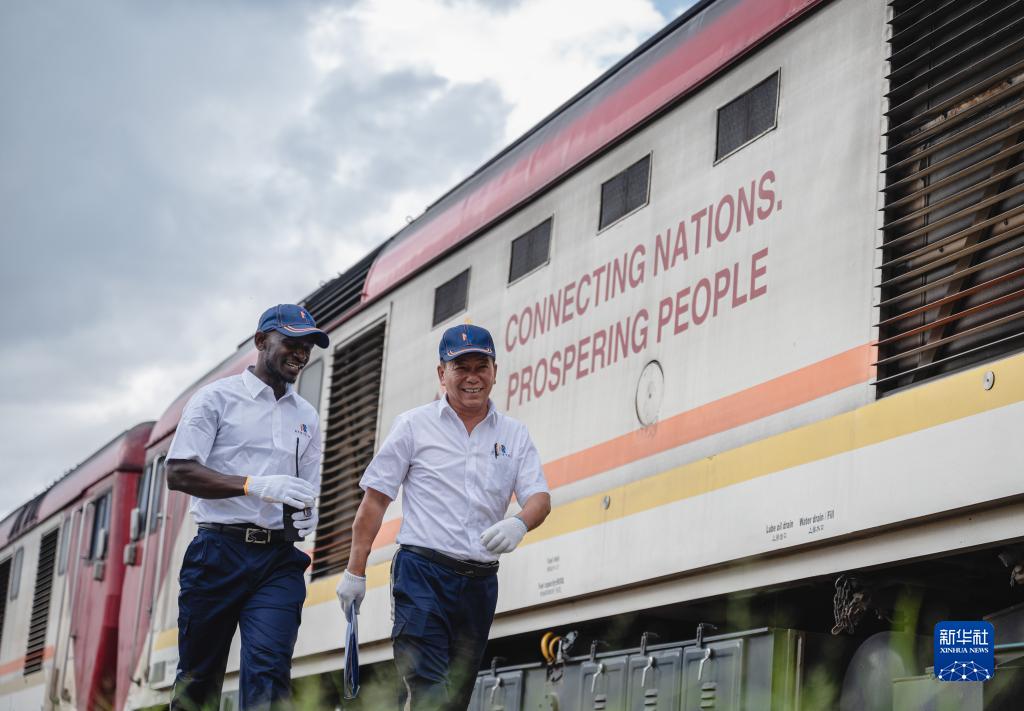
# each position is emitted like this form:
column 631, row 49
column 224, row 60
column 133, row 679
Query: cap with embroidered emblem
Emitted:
column 467, row 338
column 293, row 321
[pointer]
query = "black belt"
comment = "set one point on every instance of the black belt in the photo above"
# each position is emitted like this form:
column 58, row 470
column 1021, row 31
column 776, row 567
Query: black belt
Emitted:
column 246, row 534
column 469, row 568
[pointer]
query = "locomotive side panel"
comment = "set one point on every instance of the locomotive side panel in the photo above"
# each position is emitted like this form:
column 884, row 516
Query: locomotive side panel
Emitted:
column 772, row 245
column 697, row 372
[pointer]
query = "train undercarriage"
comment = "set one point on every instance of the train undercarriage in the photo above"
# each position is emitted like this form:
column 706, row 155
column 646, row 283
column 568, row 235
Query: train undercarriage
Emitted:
column 859, row 641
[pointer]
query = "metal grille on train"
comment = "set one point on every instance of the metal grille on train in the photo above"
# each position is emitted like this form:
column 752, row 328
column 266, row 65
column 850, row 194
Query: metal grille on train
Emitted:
column 41, row 603
column 952, row 268
column 351, row 435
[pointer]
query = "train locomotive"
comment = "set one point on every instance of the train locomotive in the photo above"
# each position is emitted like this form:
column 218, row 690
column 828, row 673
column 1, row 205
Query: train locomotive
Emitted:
column 758, row 293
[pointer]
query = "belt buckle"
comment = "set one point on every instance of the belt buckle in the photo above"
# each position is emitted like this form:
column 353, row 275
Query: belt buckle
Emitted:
column 257, row 535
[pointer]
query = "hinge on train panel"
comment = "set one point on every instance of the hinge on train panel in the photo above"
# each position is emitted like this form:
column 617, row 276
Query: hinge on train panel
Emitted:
column 701, row 626
column 644, row 639
column 494, row 690
column 496, row 684
column 495, row 661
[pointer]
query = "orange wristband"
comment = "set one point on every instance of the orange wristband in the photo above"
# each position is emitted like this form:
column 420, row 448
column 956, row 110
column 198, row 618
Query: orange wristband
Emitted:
column 245, row 486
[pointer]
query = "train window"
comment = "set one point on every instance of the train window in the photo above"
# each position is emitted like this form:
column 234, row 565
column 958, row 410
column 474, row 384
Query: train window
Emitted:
column 100, row 528
column 142, row 500
column 19, row 556
column 625, row 192
column 65, row 543
column 747, row 116
column 530, row 250
column 5, row 579
column 311, row 383
column 27, row 516
column 351, row 436
column 450, row 297
column 159, row 493
column 41, row 604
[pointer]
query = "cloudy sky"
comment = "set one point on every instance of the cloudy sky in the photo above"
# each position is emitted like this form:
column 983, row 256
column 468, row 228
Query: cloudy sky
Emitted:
column 168, row 170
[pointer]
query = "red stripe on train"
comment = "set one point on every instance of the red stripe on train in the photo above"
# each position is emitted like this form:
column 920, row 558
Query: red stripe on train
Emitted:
column 684, row 69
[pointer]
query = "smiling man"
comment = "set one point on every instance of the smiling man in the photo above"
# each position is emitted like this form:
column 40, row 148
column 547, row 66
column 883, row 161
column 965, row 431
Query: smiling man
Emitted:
column 458, row 462
column 247, row 446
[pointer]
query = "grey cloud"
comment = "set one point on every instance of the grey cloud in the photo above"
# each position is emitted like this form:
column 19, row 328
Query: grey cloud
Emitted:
column 102, row 172
column 501, row 6
column 403, row 130
column 161, row 184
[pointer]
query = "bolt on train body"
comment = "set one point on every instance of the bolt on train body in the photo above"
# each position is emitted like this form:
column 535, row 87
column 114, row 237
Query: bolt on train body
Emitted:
column 758, row 293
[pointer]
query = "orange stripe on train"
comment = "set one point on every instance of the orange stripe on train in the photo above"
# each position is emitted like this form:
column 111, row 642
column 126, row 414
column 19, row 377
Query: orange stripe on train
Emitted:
column 762, row 400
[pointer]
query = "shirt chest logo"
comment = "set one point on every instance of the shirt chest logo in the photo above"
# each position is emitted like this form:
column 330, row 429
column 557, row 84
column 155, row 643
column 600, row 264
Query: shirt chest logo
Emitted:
column 501, row 451
column 303, row 430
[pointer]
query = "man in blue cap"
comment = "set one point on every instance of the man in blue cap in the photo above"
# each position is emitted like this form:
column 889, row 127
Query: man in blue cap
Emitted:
column 246, row 448
column 458, row 461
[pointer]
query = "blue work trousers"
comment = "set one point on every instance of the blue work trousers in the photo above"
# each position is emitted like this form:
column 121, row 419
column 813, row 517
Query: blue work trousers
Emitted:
column 228, row 584
column 442, row 620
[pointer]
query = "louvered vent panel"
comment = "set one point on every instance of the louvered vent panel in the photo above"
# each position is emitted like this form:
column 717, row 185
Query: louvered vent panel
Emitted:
column 349, row 446
column 41, row 604
column 5, row 581
column 952, row 282
column 625, row 192
column 747, row 116
column 450, row 298
column 530, row 250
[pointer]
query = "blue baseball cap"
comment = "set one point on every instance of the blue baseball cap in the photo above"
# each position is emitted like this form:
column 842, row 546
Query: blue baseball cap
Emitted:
column 293, row 321
column 467, row 338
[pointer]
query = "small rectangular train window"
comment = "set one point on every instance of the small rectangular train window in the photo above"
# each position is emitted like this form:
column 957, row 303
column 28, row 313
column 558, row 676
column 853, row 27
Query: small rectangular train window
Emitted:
column 66, row 529
column 15, row 577
column 625, row 192
column 159, row 497
column 747, row 116
column 450, row 298
column 5, row 579
column 142, row 501
column 530, row 250
column 100, row 528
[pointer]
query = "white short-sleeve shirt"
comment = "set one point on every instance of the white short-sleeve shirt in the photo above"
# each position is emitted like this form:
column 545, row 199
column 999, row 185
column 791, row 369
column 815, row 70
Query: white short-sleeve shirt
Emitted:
column 455, row 485
column 237, row 426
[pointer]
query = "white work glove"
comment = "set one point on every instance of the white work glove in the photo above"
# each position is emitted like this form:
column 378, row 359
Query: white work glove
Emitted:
column 305, row 525
column 351, row 589
column 504, row 536
column 281, row 489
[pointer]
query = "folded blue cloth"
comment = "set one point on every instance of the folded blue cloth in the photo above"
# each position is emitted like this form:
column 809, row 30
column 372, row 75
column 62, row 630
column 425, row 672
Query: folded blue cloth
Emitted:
column 351, row 689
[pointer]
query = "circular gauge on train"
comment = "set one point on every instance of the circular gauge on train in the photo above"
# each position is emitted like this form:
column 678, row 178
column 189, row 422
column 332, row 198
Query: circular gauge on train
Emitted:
column 649, row 391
